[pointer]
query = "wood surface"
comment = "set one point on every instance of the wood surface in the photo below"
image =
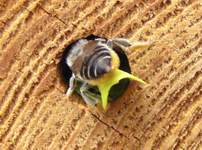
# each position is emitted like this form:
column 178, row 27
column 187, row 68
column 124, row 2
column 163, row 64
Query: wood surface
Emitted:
column 165, row 115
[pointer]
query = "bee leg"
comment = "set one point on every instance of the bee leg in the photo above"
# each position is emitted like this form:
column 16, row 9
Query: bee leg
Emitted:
column 89, row 99
column 124, row 43
column 121, row 42
column 110, row 43
column 71, row 85
column 140, row 45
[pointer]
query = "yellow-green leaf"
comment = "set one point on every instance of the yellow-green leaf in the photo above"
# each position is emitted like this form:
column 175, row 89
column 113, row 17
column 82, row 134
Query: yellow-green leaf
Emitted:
column 115, row 76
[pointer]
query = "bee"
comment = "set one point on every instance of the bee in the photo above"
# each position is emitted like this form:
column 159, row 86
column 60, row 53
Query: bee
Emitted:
column 88, row 61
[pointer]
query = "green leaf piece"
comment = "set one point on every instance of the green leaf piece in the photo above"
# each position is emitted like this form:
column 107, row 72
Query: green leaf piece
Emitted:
column 115, row 76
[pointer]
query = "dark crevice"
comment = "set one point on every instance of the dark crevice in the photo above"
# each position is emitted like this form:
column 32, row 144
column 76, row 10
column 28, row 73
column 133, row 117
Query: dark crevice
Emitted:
column 104, row 123
column 51, row 15
column 113, row 128
column 3, row 22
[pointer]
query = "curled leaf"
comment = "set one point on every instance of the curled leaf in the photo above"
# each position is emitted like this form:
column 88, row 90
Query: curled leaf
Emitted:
column 113, row 78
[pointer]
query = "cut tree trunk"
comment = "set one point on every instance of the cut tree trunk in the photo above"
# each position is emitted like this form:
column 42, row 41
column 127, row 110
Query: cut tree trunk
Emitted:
column 166, row 114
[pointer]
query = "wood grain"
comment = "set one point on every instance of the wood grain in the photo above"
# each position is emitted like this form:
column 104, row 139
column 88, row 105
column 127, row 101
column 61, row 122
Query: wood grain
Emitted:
column 166, row 114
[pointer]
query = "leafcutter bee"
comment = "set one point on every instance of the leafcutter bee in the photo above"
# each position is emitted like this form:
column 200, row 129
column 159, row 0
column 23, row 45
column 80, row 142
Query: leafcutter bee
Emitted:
column 97, row 68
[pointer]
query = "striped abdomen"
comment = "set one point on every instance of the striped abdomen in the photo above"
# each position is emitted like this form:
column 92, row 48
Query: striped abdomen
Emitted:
column 97, row 64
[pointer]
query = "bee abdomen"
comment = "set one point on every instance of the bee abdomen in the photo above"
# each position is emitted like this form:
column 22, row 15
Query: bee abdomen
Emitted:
column 96, row 64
